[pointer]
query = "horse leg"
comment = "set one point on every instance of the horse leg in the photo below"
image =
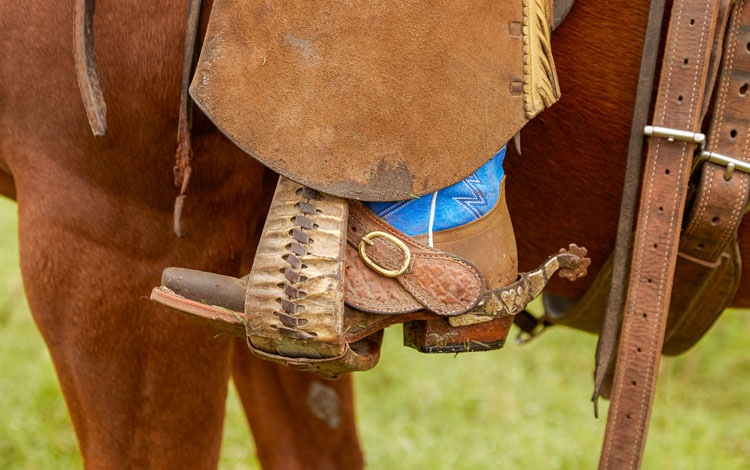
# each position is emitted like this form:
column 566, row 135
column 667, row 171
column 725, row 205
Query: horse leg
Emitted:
column 298, row 420
column 7, row 185
column 144, row 387
column 7, row 188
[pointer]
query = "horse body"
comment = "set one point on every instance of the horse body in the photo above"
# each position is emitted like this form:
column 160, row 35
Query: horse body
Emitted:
column 144, row 387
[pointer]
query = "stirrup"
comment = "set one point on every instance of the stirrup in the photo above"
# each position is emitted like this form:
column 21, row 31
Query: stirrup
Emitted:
column 219, row 302
column 321, row 306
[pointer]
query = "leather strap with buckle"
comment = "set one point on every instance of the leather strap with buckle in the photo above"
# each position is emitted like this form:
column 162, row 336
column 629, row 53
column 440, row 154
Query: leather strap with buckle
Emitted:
column 440, row 282
column 679, row 105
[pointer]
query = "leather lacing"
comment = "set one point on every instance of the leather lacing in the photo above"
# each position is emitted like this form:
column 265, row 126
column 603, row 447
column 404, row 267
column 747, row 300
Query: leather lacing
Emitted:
column 291, row 323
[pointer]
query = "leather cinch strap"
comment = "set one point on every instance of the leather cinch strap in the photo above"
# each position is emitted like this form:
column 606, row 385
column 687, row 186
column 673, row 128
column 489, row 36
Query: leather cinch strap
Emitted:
column 679, row 105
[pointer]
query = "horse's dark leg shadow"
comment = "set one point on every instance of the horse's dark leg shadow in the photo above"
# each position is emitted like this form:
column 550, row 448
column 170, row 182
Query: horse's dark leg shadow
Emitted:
column 7, row 185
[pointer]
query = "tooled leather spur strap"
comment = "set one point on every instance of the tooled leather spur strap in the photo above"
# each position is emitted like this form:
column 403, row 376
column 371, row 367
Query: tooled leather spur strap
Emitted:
column 678, row 106
column 440, row 282
column 88, row 77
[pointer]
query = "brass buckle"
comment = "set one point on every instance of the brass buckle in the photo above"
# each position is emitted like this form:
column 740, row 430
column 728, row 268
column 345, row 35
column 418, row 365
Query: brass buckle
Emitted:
column 367, row 240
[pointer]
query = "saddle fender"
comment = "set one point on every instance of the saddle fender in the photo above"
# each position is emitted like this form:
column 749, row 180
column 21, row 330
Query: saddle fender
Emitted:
column 375, row 101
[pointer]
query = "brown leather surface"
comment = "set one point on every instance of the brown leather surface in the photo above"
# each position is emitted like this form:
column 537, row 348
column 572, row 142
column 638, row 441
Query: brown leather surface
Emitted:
column 719, row 203
column 294, row 301
column 368, row 291
column 437, row 336
column 607, row 342
column 678, row 105
column 708, row 247
column 367, row 100
column 215, row 317
column 358, row 356
column 359, row 324
column 488, row 242
column 700, row 294
column 183, row 168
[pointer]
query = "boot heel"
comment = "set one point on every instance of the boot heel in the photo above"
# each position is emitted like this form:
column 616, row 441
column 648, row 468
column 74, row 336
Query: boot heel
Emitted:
column 438, row 336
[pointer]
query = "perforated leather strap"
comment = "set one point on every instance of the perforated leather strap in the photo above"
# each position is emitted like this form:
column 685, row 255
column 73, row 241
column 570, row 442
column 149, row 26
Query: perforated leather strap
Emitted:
column 678, row 105
column 722, row 197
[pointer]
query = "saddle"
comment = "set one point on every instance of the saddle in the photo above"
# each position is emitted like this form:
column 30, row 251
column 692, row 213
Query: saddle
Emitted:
column 352, row 103
column 375, row 101
column 358, row 104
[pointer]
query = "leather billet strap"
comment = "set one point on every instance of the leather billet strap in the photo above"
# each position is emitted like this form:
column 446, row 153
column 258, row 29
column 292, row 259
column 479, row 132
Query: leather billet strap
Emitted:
column 96, row 108
column 708, row 267
column 588, row 313
column 708, row 247
column 184, row 156
column 605, row 347
column 722, row 194
column 679, row 103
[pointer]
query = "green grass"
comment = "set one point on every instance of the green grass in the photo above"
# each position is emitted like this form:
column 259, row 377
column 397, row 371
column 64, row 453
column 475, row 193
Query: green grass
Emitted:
column 522, row 407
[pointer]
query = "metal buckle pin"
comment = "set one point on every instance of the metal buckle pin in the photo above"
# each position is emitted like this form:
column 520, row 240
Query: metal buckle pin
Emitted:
column 730, row 163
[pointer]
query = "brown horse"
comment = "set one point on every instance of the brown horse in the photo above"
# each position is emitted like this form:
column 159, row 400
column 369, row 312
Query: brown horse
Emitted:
column 145, row 388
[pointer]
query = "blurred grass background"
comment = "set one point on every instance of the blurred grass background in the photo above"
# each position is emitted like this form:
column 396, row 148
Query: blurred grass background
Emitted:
column 520, row 408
